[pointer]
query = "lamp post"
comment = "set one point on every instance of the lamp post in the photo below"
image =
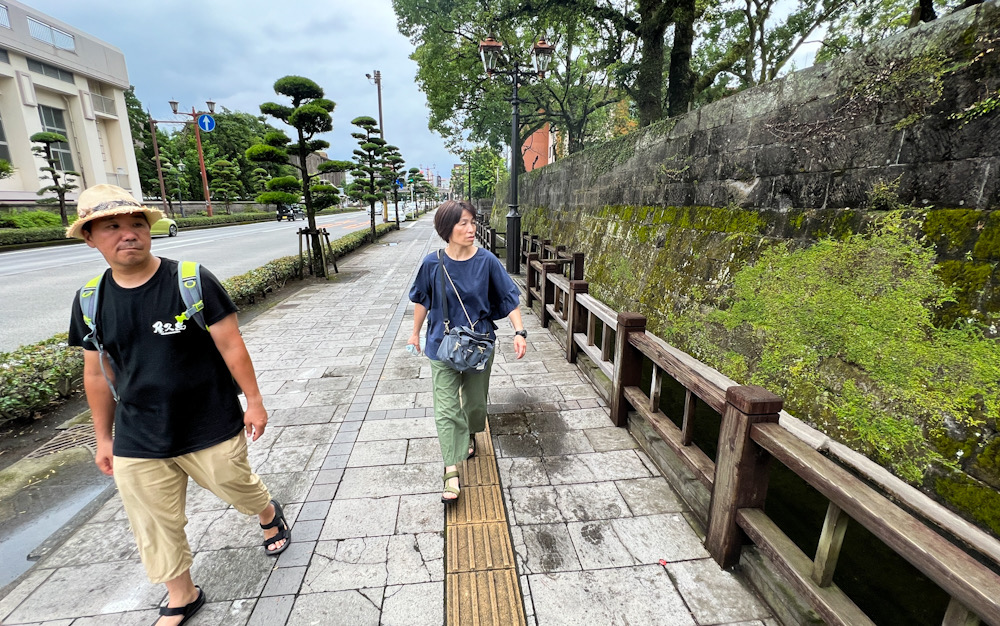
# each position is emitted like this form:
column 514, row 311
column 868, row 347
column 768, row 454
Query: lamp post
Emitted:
column 377, row 79
column 156, row 159
column 180, row 192
column 468, row 170
column 197, row 137
column 541, row 54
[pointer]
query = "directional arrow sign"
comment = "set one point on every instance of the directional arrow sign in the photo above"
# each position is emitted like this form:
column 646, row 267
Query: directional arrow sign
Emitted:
column 206, row 122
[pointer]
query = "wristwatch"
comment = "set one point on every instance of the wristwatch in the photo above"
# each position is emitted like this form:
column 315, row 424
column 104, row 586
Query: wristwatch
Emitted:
column 522, row 333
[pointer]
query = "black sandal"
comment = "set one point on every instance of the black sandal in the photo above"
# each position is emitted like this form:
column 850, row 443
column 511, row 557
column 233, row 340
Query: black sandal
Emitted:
column 283, row 531
column 188, row 610
column 472, row 447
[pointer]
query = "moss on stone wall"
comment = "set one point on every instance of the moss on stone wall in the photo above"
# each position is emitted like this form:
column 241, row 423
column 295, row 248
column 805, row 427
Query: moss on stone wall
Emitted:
column 976, row 499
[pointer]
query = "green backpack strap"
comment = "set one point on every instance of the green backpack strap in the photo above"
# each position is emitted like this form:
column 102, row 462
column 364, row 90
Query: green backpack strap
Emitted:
column 189, row 284
column 89, row 298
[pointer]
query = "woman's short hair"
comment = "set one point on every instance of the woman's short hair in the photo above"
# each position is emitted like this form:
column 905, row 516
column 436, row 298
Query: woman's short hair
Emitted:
column 449, row 214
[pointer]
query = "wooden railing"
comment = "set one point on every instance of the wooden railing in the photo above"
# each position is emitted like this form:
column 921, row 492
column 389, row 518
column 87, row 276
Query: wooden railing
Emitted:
column 755, row 433
column 488, row 236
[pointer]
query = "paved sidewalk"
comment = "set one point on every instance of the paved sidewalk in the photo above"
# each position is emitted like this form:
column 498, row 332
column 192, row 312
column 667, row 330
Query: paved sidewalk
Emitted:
column 351, row 449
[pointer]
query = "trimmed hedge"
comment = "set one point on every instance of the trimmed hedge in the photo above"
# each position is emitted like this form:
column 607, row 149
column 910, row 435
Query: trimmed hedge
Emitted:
column 35, row 376
column 13, row 236
column 29, row 219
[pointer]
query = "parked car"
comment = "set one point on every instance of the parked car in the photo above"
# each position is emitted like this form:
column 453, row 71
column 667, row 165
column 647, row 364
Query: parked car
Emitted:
column 164, row 226
column 290, row 212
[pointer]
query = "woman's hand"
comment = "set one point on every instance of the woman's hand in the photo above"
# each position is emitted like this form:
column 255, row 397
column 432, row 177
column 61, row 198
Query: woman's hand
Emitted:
column 414, row 341
column 520, row 346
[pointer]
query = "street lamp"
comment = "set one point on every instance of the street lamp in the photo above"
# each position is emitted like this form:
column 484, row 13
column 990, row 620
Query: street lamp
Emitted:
column 377, row 79
column 541, row 55
column 180, row 192
column 197, row 136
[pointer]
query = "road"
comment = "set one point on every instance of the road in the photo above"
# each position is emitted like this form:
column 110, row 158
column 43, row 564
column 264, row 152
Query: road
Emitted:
column 37, row 285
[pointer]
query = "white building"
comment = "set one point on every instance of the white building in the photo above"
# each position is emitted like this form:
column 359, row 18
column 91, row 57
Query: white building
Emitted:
column 56, row 78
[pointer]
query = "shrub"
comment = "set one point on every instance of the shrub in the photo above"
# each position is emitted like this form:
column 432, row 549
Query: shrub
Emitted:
column 34, row 376
column 29, row 219
column 13, row 236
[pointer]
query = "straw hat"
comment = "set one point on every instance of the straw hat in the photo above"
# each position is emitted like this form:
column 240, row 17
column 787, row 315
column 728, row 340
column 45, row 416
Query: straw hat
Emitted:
column 106, row 200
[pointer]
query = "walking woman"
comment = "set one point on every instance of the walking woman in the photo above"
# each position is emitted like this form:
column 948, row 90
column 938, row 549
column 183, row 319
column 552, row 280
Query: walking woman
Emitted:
column 477, row 286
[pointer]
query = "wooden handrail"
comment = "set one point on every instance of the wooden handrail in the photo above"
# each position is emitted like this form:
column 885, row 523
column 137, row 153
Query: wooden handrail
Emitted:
column 600, row 310
column 707, row 383
column 952, row 569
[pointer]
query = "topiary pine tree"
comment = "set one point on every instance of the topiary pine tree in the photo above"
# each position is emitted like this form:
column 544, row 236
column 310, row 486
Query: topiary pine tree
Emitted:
column 394, row 166
column 226, row 184
column 61, row 181
column 370, row 174
column 309, row 115
column 260, row 178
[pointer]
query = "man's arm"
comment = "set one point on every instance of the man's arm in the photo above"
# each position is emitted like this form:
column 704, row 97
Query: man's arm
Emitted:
column 102, row 407
column 419, row 315
column 226, row 335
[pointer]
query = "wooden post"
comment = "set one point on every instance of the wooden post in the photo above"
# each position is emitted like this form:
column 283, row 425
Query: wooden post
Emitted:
column 741, row 469
column 530, row 247
column 577, row 273
column 628, row 364
column 530, row 278
column 542, row 252
column 548, row 290
column 831, row 539
column 493, row 241
column 687, row 424
column 957, row 615
column 577, row 317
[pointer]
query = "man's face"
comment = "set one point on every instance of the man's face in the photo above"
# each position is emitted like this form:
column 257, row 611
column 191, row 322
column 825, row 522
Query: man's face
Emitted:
column 123, row 240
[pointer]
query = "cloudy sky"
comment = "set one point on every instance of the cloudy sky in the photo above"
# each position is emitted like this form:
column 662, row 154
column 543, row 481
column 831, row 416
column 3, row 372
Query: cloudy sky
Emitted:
column 232, row 51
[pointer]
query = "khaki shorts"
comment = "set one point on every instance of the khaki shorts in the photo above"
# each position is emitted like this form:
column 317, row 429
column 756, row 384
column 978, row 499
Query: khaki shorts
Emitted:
column 154, row 492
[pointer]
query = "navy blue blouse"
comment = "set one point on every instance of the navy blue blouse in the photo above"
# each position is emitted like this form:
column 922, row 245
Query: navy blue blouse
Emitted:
column 487, row 292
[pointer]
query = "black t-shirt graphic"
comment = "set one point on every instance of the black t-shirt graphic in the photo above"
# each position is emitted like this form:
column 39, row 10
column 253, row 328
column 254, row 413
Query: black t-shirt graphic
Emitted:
column 176, row 393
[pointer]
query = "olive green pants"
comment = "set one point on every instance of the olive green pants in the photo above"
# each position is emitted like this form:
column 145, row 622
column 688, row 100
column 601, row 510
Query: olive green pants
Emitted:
column 459, row 408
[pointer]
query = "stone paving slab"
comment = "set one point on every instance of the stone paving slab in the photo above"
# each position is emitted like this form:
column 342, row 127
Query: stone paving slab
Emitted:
column 598, row 537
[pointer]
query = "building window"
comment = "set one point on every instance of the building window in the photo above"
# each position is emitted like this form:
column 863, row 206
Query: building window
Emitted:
column 4, row 148
column 4, row 56
column 44, row 32
column 4, row 17
column 49, row 70
column 53, row 121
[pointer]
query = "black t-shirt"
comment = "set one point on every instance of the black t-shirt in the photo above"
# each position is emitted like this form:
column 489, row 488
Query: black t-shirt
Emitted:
column 176, row 393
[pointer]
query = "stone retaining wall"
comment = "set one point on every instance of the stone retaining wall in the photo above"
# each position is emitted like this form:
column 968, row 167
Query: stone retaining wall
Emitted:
column 668, row 214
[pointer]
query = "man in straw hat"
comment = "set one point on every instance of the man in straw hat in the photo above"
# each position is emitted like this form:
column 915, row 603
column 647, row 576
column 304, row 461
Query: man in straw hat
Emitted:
column 168, row 388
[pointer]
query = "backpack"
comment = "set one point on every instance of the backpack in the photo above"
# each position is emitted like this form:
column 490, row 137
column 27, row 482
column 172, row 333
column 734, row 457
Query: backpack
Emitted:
column 188, row 283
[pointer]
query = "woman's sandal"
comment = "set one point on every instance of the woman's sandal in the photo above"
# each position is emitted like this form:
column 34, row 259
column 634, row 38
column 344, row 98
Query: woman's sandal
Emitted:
column 472, row 447
column 449, row 489
column 188, row 610
column 284, row 532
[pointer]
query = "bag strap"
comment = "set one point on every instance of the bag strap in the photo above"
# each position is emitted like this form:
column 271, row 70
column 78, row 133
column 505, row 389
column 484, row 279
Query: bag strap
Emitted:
column 189, row 284
column 444, row 294
column 89, row 300
column 458, row 295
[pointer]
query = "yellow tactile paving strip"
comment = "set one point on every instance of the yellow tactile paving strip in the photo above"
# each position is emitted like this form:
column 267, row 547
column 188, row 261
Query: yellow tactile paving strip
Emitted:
column 481, row 584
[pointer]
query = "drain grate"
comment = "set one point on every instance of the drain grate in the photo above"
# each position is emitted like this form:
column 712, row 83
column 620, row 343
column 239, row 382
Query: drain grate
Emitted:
column 80, row 435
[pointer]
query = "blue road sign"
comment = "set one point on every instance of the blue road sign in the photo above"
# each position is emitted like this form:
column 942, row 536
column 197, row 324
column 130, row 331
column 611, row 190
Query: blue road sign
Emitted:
column 399, row 183
column 206, row 122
